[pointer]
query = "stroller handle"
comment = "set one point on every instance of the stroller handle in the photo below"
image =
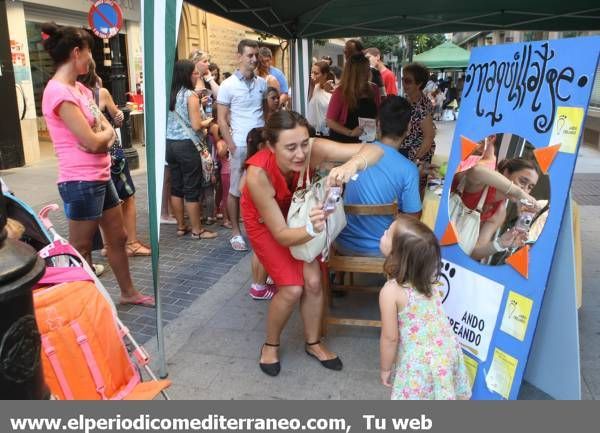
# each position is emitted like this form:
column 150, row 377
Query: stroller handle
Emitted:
column 43, row 214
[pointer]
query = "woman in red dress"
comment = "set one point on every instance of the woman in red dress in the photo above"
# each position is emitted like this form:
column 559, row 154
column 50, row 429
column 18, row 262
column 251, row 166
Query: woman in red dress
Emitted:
column 271, row 177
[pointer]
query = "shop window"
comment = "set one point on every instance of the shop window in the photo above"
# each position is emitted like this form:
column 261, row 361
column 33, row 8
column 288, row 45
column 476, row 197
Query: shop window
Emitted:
column 42, row 66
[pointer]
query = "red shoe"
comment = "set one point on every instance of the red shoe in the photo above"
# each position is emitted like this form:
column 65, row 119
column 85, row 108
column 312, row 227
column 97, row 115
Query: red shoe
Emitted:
column 262, row 293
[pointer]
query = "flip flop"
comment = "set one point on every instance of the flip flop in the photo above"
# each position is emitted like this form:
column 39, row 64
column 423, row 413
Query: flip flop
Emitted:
column 141, row 300
column 204, row 234
column 227, row 224
column 238, row 243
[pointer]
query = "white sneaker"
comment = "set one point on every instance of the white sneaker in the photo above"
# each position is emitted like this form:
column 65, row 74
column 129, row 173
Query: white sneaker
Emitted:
column 98, row 269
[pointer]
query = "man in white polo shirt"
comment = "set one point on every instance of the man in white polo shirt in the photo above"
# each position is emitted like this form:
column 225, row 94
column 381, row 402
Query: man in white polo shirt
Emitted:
column 240, row 101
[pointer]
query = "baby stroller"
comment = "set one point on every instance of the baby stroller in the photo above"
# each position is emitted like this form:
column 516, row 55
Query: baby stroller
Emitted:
column 87, row 352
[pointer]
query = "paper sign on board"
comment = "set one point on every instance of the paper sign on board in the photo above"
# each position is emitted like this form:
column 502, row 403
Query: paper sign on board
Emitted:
column 472, row 303
column 471, row 365
column 516, row 315
column 567, row 126
column 502, row 373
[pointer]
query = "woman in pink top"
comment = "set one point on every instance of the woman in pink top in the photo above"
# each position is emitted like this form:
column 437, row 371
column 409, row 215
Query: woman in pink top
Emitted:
column 82, row 137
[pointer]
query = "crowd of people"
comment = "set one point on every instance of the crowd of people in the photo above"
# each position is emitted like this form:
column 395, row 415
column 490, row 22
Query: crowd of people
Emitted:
column 244, row 159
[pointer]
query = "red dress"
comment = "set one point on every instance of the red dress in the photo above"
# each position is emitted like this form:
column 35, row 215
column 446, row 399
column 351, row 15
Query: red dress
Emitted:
column 471, row 199
column 284, row 269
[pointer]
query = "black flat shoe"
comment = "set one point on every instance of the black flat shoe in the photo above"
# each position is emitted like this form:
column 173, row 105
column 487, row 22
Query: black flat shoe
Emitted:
column 331, row 364
column 271, row 369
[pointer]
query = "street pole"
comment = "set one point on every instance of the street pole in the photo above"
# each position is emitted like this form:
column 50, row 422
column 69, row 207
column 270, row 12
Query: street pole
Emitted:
column 118, row 83
column 21, row 375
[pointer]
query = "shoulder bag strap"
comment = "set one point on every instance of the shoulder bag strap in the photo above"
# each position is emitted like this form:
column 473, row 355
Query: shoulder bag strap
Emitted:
column 461, row 185
column 96, row 92
column 306, row 169
column 481, row 202
column 192, row 135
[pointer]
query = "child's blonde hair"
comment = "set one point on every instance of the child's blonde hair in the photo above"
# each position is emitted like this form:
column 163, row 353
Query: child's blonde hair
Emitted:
column 415, row 258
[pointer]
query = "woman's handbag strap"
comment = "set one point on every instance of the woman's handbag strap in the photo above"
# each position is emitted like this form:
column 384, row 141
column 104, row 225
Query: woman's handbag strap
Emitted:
column 306, row 169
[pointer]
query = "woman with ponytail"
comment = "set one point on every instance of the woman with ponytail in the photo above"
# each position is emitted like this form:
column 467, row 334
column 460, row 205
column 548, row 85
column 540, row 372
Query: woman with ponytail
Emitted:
column 82, row 137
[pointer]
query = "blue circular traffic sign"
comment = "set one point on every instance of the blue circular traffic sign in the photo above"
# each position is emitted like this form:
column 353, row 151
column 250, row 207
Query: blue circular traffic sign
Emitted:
column 105, row 18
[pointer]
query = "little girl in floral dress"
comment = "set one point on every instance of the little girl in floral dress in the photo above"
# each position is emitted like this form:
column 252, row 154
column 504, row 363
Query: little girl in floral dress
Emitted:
column 415, row 332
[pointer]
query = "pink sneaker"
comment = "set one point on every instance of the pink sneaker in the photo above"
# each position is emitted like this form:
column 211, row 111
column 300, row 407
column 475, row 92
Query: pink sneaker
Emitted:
column 262, row 292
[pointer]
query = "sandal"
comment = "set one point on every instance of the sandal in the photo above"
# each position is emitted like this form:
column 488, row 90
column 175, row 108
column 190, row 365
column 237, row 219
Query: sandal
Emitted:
column 204, row 234
column 332, row 364
column 273, row 368
column 141, row 300
column 183, row 231
column 136, row 248
column 238, row 243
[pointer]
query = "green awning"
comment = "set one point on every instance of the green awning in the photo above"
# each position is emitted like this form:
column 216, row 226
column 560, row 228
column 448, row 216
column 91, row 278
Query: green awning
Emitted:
column 444, row 56
column 323, row 19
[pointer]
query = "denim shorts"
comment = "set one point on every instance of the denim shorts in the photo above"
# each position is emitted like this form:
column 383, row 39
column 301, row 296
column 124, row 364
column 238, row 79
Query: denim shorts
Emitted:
column 85, row 200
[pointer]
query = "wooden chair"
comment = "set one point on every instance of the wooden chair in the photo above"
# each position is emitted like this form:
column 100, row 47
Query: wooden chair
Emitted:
column 351, row 265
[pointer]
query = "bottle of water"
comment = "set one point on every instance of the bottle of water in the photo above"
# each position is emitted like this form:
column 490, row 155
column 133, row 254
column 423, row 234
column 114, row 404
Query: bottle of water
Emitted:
column 208, row 107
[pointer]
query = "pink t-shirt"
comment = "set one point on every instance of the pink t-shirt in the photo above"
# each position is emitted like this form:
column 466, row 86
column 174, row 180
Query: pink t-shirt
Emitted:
column 73, row 163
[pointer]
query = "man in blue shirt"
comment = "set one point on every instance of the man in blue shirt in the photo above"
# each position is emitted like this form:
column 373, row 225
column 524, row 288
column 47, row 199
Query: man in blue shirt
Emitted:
column 394, row 177
column 265, row 56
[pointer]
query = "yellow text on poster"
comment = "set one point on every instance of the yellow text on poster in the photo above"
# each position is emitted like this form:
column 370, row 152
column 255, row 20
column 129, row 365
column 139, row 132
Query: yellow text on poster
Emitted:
column 502, row 373
column 567, row 127
column 471, row 365
column 516, row 315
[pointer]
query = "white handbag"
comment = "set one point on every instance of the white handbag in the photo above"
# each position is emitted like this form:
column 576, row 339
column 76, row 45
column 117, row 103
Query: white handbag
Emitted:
column 466, row 221
column 303, row 200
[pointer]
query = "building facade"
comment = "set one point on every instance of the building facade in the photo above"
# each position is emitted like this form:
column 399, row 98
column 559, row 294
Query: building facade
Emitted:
column 219, row 37
column 33, row 67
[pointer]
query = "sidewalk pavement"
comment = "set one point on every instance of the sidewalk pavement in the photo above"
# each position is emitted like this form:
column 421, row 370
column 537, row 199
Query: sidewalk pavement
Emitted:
column 214, row 330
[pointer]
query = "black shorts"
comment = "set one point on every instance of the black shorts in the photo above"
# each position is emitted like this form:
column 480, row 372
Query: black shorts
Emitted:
column 186, row 169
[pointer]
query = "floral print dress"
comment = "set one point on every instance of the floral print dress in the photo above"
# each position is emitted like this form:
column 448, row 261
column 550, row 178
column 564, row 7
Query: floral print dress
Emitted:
column 430, row 364
column 409, row 148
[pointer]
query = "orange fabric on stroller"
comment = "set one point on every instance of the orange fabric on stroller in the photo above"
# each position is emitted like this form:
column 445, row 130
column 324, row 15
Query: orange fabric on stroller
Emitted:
column 83, row 354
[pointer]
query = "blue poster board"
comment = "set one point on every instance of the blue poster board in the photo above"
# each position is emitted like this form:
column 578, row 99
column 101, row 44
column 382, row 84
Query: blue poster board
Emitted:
column 535, row 96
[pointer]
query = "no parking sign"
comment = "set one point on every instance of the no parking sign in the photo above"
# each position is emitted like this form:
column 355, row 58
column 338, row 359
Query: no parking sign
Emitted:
column 105, row 18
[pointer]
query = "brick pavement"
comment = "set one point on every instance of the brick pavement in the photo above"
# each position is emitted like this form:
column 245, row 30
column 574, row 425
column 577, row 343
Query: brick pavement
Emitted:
column 187, row 269
column 586, row 189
